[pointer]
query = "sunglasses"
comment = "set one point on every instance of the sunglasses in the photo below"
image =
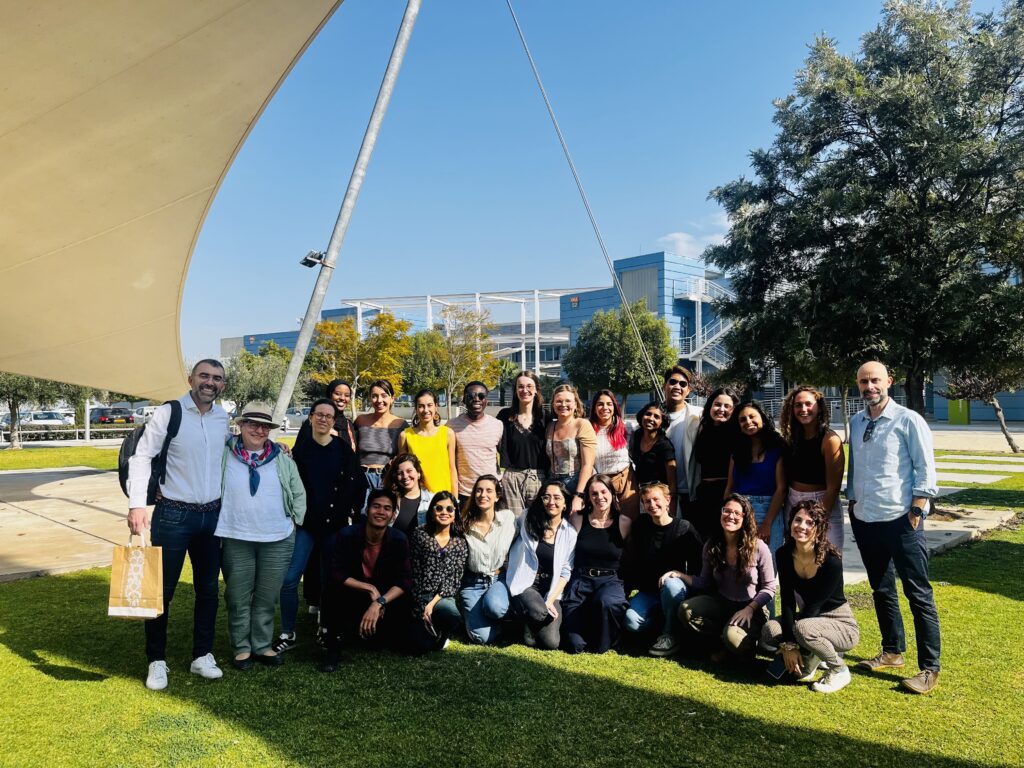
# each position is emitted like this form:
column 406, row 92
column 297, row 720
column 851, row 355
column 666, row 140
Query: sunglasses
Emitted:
column 678, row 383
column 476, row 395
column 870, row 430
column 444, row 508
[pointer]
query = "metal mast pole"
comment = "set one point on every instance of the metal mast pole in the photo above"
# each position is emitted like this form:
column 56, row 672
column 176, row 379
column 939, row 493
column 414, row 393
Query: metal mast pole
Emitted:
column 355, row 183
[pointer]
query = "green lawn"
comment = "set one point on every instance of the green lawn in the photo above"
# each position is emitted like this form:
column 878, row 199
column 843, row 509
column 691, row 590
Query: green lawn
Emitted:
column 51, row 458
column 71, row 693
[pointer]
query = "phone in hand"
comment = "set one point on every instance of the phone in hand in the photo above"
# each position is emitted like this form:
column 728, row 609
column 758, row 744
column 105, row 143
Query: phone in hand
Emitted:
column 778, row 667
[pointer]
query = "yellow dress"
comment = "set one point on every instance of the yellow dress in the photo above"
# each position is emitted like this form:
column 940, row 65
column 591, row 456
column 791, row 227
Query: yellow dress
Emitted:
column 433, row 455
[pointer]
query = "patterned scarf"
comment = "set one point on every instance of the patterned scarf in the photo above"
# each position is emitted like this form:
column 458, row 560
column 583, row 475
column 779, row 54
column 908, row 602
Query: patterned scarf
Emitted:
column 254, row 459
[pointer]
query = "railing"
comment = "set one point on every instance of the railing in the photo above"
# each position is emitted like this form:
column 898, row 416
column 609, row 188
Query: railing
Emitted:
column 28, row 434
column 709, row 335
column 688, row 287
column 853, row 404
column 718, row 355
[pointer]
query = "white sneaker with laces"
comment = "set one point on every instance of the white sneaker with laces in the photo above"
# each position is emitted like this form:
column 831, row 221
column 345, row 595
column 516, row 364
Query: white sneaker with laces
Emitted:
column 206, row 666
column 156, row 680
column 833, row 680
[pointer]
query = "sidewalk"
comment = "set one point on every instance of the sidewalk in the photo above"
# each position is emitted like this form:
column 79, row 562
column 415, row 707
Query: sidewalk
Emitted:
column 60, row 520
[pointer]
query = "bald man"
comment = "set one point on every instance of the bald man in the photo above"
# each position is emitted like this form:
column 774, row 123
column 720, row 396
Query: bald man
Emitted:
column 889, row 482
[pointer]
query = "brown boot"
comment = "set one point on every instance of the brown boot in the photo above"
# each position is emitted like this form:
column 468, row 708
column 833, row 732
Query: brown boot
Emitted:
column 925, row 681
column 883, row 660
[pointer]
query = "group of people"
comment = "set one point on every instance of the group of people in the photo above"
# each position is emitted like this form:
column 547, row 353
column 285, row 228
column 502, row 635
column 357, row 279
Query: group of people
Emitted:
column 562, row 531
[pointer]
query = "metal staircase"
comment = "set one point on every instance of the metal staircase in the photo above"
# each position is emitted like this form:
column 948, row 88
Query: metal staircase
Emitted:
column 705, row 345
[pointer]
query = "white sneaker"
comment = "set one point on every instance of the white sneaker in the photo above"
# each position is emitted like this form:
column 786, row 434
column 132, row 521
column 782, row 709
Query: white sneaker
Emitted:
column 446, row 643
column 810, row 664
column 833, row 680
column 156, row 680
column 206, row 666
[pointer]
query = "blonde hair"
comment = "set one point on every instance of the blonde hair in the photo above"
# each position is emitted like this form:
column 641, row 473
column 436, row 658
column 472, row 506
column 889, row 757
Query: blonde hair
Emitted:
column 579, row 411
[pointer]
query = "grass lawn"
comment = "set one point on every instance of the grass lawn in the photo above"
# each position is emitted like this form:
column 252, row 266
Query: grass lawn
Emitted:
column 71, row 693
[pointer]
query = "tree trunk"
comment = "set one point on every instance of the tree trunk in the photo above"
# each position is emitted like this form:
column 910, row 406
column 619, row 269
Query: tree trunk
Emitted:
column 14, row 405
column 448, row 403
column 915, row 392
column 501, row 396
column 1002, row 424
column 846, row 414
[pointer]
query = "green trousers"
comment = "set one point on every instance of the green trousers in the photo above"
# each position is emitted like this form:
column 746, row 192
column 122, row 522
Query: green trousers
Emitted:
column 253, row 574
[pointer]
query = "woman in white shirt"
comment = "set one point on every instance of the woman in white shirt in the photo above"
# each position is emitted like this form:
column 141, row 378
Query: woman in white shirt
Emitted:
column 612, row 457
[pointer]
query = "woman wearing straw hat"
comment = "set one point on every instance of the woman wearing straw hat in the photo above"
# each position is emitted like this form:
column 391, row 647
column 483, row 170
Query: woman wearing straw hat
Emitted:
column 262, row 500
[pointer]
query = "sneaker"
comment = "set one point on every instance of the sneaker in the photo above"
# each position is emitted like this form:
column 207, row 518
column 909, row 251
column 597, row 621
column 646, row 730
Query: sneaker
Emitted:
column 924, row 681
column 884, row 660
column 206, row 666
column 445, row 644
column 285, row 642
column 665, row 645
column 833, row 680
column 156, row 680
column 810, row 664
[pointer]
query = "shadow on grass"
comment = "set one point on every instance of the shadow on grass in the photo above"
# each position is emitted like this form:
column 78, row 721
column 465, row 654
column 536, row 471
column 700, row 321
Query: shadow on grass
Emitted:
column 984, row 566
column 478, row 707
column 986, row 497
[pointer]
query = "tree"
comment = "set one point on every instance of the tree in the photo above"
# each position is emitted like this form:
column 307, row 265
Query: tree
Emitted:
column 339, row 352
column 507, row 371
column 422, row 368
column 606, row 353
column 885, row 221
column 466, row 355
column 16, row 390
column 966, row 384
column 256, row 376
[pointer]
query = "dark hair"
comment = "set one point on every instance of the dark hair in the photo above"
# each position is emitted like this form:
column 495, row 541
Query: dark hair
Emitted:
column 654, row 405
column 538, row 399
column 617, row 431
column 818, row 513
column 537, row 516
column 474, row 383
column 705, row 414
column 322, row 401
column 431, row 525
column 685, row 373
column 770, row 438
column 790, row 428
column 471, row 511
column 606, row 481
column 746, row 547
column 378, row 493
column 415, row 416
column 383, row 384
column 207, row 361
column 389, row 480
column 334, row 384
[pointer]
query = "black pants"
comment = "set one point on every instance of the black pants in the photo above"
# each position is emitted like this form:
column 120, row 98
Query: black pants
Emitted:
column 343, row 609
column 595, row 609
column 544, row 631
column 706, row 509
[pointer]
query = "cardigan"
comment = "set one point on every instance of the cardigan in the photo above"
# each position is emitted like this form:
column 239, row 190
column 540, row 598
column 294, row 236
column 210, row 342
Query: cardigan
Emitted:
column 292, row 490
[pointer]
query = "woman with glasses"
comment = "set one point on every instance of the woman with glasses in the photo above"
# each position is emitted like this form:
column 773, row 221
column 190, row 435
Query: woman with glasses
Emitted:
column 814, row 456
column 262, row 501
column 738, row 580
column 404, row 478
column 339, row 393
column 653, row 455
column 821, row 626
column 571, row 444
column 756, row 471
column 595, row 604
column 539, row 566
column 439, row 554
column 489, row 530
column 611, row 457
column 712, row 448
column 377, row 433
column 432, row 443
column 524, row 461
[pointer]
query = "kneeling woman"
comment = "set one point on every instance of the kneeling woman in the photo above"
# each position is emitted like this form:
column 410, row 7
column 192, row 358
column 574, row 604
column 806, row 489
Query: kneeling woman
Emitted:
column 595, row 604
column 490, row 528
column 539, row 565
column 738, row 576
column 262, row 501
column 824, row 627
column 438, row 559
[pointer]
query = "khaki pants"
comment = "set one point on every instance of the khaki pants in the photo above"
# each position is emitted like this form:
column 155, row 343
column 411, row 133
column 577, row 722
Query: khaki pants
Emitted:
column 706, row 617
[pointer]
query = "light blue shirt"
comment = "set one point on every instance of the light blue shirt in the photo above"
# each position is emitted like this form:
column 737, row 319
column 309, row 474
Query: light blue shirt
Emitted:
column 523, row 562
column 896, row 465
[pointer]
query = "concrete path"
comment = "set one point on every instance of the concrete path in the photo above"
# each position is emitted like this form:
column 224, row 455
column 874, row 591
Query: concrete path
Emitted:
column 967, row 477
column 942, row 463
column 1009, row 459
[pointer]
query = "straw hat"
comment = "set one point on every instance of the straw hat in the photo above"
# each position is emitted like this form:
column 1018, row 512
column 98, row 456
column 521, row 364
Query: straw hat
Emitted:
column 258, row 412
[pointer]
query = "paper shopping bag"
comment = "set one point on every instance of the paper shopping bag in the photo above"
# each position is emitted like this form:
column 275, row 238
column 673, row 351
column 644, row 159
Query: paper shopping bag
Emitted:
column 137, row 582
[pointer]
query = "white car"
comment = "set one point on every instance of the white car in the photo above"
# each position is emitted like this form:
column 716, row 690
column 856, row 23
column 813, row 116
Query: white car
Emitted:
column 144, row 414
column 47, row 419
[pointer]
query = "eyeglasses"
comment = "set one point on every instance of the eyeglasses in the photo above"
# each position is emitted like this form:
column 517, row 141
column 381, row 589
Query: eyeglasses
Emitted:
column 444, row 508
column 870, row 429
column 678, row 383
column 476, row 395
column 323, row 416
column 257, row 427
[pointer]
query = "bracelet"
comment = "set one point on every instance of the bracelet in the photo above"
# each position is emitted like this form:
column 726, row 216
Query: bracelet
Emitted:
column 788, row 646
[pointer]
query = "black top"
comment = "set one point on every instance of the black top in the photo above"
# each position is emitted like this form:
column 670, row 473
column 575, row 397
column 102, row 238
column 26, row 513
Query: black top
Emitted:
column 821, row 593
column 435, row 571
column 805, row 462
column 598, row 547
column 392, row 569
column 521, row 448
column 655, row 550
column 335, row 485
column 650, row 466
column 546, row 563
column 408, row 515
column 341, row 426
column 712, row 448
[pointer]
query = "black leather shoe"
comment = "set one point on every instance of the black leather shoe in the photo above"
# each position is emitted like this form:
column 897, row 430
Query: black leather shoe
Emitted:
column 329, row 660
column 242, row 665
column 267, row 660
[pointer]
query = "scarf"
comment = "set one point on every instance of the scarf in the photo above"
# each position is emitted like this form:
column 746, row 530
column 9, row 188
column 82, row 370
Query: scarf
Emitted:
column 254, row 459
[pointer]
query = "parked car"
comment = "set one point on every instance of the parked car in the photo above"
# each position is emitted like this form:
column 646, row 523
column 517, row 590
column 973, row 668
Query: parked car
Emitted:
column 294, row 417
column 111, row 416
column 144, row 414
column 46, row 419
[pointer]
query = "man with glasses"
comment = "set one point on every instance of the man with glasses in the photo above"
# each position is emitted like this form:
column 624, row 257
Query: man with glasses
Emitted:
column 186, row 514
column 477, row 436
column 889, row 481
column 682, row 431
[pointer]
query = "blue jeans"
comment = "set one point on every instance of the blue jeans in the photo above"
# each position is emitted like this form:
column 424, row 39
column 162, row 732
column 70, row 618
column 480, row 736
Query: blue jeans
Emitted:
column 179, row 531
column 646, row 608
column 484, row 603
column 304, row 543
column 778, row 531
column 569, row 481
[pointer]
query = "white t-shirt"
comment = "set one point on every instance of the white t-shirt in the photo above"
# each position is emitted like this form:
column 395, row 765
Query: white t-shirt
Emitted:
column 253, row 518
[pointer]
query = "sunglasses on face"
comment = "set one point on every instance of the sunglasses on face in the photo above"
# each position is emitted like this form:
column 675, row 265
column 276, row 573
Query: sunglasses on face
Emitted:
column 678, row 383
column 476, row 396
column 444, row 508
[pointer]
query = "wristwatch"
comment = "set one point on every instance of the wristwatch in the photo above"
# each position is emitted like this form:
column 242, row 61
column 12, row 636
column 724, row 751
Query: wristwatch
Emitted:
column 580, row 495
column 382, row 601
column 918, row 512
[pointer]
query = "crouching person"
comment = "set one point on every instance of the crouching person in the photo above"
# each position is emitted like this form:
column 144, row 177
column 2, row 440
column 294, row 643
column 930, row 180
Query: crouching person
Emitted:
column 366, row 598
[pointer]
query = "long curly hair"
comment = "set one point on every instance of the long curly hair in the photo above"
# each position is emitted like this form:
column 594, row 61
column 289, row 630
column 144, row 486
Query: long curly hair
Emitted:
column 390, row 479
column 746, row 547
column 818, row 513
column 790, row 428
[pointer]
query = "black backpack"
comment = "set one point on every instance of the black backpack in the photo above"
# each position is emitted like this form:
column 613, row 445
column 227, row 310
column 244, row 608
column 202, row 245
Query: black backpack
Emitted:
column 158, row 466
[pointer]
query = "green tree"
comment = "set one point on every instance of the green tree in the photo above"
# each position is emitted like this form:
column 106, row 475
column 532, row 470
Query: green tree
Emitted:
column 607, row 355
column 256, row 376
column 422, row 367
column 17, row 390
column 885, row 221
column 465, row 354
column 967, row 384
column 507, row 371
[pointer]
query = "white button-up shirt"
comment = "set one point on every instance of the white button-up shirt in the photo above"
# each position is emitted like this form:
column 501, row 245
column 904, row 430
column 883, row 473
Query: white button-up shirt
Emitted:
column 193, row 459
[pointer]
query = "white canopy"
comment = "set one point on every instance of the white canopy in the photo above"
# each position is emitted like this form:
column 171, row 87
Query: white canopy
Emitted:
column 118, row 120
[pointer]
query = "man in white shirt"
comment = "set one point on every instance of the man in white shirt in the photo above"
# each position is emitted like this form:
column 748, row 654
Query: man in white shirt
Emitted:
column 682, row 431
column 185, row 516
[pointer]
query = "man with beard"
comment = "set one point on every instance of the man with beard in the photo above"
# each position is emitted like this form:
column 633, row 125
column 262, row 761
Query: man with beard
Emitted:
column 185, row 516
column 890, row 479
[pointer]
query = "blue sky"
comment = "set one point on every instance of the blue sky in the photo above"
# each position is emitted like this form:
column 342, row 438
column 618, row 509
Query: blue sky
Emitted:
column 468, row 190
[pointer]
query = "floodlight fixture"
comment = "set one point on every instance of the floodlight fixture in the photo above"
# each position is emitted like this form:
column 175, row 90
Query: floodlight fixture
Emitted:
column 312, row 259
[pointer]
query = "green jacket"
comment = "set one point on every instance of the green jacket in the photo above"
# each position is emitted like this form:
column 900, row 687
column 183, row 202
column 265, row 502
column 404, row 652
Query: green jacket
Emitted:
column 292, row 490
